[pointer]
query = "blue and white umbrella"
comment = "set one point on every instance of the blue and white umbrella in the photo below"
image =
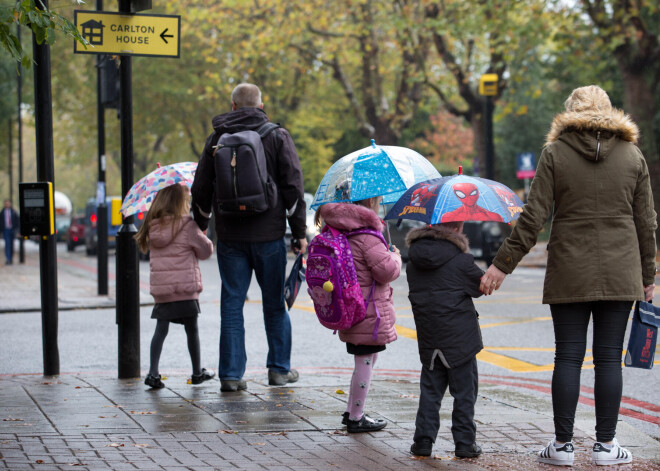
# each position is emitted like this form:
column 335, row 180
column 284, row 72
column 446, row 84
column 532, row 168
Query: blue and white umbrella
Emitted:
column 386, row 171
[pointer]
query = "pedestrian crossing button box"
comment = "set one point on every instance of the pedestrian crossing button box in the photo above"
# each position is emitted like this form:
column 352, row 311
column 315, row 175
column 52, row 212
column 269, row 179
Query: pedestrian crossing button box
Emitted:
column 36, row 203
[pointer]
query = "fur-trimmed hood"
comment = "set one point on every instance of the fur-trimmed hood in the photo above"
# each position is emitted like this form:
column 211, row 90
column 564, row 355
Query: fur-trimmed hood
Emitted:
column 348, row 217
column 460, row 240
column 592, row 133
column 435, row 246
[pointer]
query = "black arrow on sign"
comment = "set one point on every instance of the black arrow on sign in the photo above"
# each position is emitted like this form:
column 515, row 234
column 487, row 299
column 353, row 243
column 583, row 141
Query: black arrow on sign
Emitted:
column 163, row 35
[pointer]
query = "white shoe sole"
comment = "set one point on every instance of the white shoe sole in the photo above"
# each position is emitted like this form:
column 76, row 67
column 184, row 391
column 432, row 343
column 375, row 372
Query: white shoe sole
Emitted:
column 555, row 462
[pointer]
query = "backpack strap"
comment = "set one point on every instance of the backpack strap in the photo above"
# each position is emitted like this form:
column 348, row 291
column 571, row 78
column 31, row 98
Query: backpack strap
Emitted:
column 366, row 230
column 266, row 128
column 263, row 131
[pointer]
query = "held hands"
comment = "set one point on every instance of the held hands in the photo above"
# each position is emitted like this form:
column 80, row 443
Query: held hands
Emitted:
column 492, row 280
column 648, row 293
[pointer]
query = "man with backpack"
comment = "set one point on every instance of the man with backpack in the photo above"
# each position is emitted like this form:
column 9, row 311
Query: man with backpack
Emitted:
column 249, row 174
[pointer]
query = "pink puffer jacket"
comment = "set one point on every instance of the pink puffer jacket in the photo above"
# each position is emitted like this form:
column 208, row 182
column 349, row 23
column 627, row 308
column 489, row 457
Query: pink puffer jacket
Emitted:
column 373, row 261
column 175, row 274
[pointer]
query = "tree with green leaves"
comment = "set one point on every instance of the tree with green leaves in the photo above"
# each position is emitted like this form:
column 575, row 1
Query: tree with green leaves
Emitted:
column 42, row 21
column 630, row 31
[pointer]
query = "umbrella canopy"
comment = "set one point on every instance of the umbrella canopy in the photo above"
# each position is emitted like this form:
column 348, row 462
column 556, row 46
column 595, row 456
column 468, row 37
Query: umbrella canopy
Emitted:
column 385, row 171
column 457, row 198
column 142, row 193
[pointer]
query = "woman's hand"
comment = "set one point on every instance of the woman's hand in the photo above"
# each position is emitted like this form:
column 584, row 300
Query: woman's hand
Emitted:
column 492, row 280
column 648, row 293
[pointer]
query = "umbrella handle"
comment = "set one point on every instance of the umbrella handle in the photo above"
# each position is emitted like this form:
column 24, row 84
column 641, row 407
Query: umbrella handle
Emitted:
column 387, row 226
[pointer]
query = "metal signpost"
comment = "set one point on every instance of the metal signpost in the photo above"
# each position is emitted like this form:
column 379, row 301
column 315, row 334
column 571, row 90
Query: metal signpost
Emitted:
column 526, row 168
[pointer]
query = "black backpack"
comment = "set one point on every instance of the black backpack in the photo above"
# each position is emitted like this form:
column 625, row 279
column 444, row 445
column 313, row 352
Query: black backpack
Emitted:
column 242, row 183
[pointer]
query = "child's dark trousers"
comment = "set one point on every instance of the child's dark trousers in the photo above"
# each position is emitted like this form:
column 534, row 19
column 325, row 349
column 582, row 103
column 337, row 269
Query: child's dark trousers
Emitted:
column 463, row 385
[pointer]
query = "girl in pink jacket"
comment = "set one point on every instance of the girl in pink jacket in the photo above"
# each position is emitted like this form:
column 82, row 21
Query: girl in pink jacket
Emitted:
column 373, row 262
column 175, row 243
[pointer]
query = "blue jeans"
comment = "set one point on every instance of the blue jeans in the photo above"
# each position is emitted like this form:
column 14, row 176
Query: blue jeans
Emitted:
column 8, row 235
column 571, row 321
column 236, row 261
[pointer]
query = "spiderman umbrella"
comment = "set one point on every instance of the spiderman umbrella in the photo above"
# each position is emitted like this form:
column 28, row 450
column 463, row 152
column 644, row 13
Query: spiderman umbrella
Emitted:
column 457, row 198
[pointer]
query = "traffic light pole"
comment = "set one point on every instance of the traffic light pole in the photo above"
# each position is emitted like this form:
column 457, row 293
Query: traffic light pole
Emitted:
column 21, row 246
column 488, row 134
column 102, row 207
column 46, row 173
column 128, row 301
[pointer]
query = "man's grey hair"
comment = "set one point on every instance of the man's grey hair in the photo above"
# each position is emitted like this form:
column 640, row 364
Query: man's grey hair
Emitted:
column 246, row 95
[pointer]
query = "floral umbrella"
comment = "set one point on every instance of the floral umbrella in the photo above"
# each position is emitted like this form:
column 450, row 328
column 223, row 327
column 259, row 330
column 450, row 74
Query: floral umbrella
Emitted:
column 142, row 193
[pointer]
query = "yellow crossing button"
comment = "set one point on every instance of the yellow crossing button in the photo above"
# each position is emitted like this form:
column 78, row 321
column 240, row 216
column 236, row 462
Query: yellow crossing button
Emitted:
column 128, row 34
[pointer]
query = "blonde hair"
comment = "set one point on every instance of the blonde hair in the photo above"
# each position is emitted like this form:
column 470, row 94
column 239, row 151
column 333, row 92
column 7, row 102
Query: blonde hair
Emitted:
column 246, row 95
column 173, row 202
column 589, row 98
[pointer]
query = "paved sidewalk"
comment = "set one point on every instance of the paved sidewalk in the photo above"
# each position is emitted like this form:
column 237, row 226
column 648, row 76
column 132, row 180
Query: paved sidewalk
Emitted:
column 96, row 421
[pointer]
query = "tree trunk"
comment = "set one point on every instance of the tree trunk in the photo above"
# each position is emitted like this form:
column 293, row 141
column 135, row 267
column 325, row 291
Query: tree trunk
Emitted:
column 639, row 102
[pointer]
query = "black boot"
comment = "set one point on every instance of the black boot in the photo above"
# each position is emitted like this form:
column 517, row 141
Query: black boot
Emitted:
column 470, row 451
column 365, row 424
column 422, row 447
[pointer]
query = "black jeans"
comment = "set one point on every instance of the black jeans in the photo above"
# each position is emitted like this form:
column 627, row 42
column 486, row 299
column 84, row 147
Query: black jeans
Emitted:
column 463, row 386
column 571, row 321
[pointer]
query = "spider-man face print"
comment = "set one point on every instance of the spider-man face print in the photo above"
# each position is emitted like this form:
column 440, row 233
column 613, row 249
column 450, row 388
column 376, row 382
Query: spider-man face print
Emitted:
column 422, row 195
column 468, row 193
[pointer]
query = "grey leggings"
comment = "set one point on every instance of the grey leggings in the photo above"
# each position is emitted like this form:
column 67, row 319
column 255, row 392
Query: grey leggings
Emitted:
column 162, row 328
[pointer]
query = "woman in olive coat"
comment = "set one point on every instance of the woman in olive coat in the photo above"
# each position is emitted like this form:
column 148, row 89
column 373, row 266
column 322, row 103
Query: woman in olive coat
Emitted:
column 601, row 256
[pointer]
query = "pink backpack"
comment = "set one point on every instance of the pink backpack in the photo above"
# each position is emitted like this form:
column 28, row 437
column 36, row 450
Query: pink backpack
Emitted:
column 332, row 280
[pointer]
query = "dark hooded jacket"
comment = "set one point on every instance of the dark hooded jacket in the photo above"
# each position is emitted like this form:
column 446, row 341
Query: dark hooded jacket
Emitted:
column 283, row 167
column 595, row 181
column 442, row 280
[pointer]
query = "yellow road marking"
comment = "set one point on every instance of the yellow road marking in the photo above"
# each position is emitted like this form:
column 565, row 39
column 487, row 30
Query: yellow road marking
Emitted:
column 521, row 321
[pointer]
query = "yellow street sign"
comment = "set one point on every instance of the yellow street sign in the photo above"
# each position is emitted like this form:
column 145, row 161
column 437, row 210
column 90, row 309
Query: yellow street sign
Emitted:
column 128, row 34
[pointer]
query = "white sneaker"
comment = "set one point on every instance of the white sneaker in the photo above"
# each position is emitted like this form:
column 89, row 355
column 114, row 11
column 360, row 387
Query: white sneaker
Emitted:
column 610, row 454
column 562, row 456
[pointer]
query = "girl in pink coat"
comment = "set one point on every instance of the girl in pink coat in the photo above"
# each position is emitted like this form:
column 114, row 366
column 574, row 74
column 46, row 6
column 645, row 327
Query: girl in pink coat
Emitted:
column 175, row 243
column 373, row 262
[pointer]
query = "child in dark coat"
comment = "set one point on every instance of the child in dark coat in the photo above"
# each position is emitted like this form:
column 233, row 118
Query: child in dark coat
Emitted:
column 442, row 280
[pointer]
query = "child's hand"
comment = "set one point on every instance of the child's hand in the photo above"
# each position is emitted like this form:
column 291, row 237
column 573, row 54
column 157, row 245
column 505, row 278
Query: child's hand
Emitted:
column 393, row 248
column 492, row 280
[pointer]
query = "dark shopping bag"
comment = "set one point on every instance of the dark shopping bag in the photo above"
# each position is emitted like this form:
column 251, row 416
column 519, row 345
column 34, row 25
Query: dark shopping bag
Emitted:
column 643, row 336
column 294, row 280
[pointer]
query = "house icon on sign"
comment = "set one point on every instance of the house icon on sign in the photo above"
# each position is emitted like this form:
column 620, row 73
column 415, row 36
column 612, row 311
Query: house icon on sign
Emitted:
column 92, row 31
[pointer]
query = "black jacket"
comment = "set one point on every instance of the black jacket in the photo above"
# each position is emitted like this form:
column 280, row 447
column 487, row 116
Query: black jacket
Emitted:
column 284, row 168
column 442, row 280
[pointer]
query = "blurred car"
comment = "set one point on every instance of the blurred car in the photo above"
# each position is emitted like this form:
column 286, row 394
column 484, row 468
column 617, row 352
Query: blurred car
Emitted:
column 486, row 237
column 62, row 223
column 311, row 230
column 75, row 234
column 91, row 238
